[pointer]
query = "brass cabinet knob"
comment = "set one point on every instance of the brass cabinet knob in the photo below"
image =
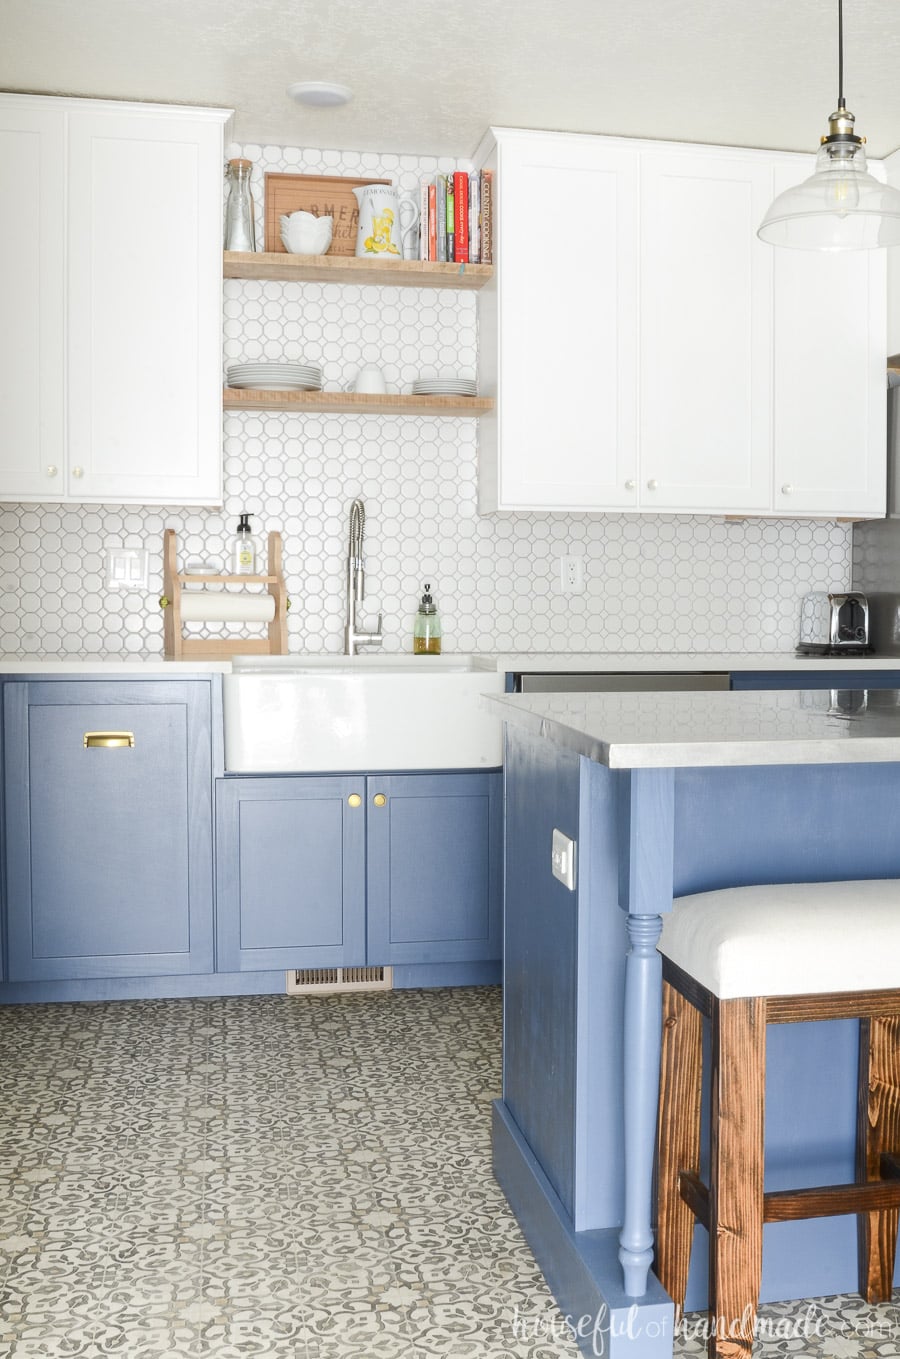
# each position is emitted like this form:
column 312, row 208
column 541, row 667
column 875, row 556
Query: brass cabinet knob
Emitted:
column 52, row 470
column 78, row 472
column 354, row 800
column 379, row 799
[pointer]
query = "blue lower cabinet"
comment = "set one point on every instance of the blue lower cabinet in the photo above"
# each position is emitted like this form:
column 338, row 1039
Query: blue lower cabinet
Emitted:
column 434, row 868
column 108, row 821
column 816, row 679
column 290, row 889
column 347, row 871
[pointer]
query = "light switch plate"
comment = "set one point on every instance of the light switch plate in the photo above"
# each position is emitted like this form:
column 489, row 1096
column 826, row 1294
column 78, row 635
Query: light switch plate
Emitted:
column 127, row 568
column 562, row 853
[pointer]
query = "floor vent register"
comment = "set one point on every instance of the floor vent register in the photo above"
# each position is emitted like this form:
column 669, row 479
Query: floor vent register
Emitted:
column 320, row 981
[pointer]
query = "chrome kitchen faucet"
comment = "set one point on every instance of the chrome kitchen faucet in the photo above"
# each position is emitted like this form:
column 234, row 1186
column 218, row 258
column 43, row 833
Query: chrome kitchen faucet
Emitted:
column 356, row 585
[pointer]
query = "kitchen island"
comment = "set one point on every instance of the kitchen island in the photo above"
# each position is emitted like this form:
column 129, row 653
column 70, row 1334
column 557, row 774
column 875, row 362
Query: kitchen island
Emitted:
column 664, row 795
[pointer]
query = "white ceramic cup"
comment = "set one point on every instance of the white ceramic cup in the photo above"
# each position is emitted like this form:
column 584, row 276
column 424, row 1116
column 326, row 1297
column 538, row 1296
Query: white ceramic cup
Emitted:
column 409, row 228
column 370, row 380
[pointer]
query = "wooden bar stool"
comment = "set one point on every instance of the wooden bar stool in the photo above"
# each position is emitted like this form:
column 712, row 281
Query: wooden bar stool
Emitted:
column 746, row 957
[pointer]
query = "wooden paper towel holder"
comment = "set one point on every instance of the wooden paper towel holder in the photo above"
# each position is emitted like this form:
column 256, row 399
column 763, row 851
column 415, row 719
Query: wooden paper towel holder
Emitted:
column 179, row 648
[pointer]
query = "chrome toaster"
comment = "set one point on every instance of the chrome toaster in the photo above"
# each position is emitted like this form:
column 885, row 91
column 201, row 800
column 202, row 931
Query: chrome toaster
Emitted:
column 834, row 624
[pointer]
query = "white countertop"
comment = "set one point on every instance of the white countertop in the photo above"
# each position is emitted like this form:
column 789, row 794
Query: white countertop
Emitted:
column 82, row 665
column 580, row 662
column 690, row 730
column 648, row 662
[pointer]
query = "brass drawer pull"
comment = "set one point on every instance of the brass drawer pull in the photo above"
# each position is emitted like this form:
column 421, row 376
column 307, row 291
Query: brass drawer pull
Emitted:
column 379, row 799
column 354, row 800
column 108, row 740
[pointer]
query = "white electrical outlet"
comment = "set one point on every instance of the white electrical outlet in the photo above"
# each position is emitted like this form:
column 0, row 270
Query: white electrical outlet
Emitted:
column 562, row 859
column 571, row 575
column 127, row 568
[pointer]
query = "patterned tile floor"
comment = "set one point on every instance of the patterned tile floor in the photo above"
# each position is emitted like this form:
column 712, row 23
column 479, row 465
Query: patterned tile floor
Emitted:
column 299, row 1178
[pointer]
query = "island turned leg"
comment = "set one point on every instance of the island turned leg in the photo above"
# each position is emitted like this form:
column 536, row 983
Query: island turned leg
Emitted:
column 643, row 1024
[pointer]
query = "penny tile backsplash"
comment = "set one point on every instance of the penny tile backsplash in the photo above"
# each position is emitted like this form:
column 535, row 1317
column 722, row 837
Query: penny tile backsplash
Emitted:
column 654, row 583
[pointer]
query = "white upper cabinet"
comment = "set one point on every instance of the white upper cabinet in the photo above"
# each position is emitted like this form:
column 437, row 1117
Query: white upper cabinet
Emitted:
column 647, row 351
column 32, row 285
column 558, row 328
column 705, row 332
column 120, row 309
column 830, row 347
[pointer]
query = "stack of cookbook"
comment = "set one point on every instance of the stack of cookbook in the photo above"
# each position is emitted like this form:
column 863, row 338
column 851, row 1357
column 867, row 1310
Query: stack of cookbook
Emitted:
column 456, row 222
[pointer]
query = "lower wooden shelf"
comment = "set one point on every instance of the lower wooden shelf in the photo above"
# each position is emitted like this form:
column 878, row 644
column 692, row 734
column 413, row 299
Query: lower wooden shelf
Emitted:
column 354, row 403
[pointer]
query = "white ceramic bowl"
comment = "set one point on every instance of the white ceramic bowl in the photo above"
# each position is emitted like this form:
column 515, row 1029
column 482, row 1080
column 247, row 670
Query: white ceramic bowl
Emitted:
column 304, row 234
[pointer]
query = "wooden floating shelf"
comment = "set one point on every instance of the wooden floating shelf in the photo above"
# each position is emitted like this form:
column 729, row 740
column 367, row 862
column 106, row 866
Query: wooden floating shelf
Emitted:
column 349, row 269
column 354, row 403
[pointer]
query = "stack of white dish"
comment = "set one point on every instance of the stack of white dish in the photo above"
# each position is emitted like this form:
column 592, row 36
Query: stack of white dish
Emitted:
column 276, row 377
column 445, row 387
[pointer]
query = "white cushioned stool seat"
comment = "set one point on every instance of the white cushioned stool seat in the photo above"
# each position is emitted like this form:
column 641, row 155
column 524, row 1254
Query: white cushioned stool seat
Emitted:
column 788, row 939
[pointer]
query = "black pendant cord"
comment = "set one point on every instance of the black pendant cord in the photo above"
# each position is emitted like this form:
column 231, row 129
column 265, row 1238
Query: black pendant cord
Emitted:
column 841, row 104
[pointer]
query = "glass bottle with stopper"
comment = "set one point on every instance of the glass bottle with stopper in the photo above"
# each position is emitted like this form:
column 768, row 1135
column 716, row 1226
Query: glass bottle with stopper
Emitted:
column 240, row 229
column 427, row 627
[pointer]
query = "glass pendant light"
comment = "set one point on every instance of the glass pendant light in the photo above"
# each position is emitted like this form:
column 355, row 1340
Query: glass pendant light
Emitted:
column 841, row 206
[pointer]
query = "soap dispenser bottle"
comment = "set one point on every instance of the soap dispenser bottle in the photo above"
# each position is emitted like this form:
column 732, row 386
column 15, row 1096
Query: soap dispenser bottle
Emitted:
column 244, row 549
column 427, row 627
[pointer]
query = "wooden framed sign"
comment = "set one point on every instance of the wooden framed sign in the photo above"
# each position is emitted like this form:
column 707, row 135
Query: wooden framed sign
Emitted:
column 323, row 196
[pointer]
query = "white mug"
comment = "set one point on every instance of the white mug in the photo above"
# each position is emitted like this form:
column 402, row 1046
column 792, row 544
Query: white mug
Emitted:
column 409, row 228
column 385, row 221
column 370, row 380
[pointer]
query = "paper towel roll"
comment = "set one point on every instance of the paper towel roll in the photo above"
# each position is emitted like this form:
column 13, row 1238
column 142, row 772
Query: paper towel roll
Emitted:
column 216, row 606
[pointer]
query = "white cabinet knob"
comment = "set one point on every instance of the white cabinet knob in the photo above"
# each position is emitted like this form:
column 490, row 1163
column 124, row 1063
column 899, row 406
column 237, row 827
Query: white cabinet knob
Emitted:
column 52, row 471
column 77, row 471
column 629, row 485
column 787, row 489
column 651, row 484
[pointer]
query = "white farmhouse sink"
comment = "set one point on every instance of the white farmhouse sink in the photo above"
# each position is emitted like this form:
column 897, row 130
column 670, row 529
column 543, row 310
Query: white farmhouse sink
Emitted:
column 330, row 713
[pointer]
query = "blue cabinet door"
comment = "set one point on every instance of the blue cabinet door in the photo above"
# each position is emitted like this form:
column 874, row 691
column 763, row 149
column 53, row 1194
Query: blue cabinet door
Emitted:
column 290, row 858
column 108, row 845
column 817, row 679
column 434, row 868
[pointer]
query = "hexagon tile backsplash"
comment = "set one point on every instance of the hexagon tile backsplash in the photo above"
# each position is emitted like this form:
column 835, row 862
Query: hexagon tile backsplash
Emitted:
column 660, row 583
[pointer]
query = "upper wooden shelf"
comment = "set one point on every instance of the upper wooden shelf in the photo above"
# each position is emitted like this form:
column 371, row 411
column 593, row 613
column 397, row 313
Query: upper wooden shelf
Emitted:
column 349, row 269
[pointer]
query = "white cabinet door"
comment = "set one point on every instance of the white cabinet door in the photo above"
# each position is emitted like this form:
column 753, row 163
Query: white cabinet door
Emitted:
column 111, row 280
column 145, row 286
column 32, row 285
column 561, row 326
column 705, row 331
column 830, row 331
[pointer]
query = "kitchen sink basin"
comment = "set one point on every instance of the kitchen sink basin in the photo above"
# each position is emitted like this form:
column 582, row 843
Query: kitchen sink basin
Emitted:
column 330, row 713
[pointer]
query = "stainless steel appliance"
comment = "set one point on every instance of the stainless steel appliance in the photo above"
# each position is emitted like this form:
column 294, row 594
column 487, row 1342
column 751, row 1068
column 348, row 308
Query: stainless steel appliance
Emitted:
column 876, row 546
column 833, row 624
column 543, row 682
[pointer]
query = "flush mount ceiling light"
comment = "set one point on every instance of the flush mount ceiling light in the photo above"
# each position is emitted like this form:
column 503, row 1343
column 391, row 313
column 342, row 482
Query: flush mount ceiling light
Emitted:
column 320, row 94
column 841, row 206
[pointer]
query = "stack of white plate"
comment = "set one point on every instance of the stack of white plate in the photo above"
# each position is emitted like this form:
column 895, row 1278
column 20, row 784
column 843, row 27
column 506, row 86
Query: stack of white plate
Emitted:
column 445, row 387
column 276, row 377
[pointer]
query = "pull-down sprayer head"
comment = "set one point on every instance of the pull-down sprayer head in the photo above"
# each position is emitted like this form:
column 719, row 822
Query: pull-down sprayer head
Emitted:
column 354, row 563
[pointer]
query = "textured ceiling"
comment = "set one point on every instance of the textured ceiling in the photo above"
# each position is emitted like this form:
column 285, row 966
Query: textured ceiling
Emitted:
column 430, row 75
